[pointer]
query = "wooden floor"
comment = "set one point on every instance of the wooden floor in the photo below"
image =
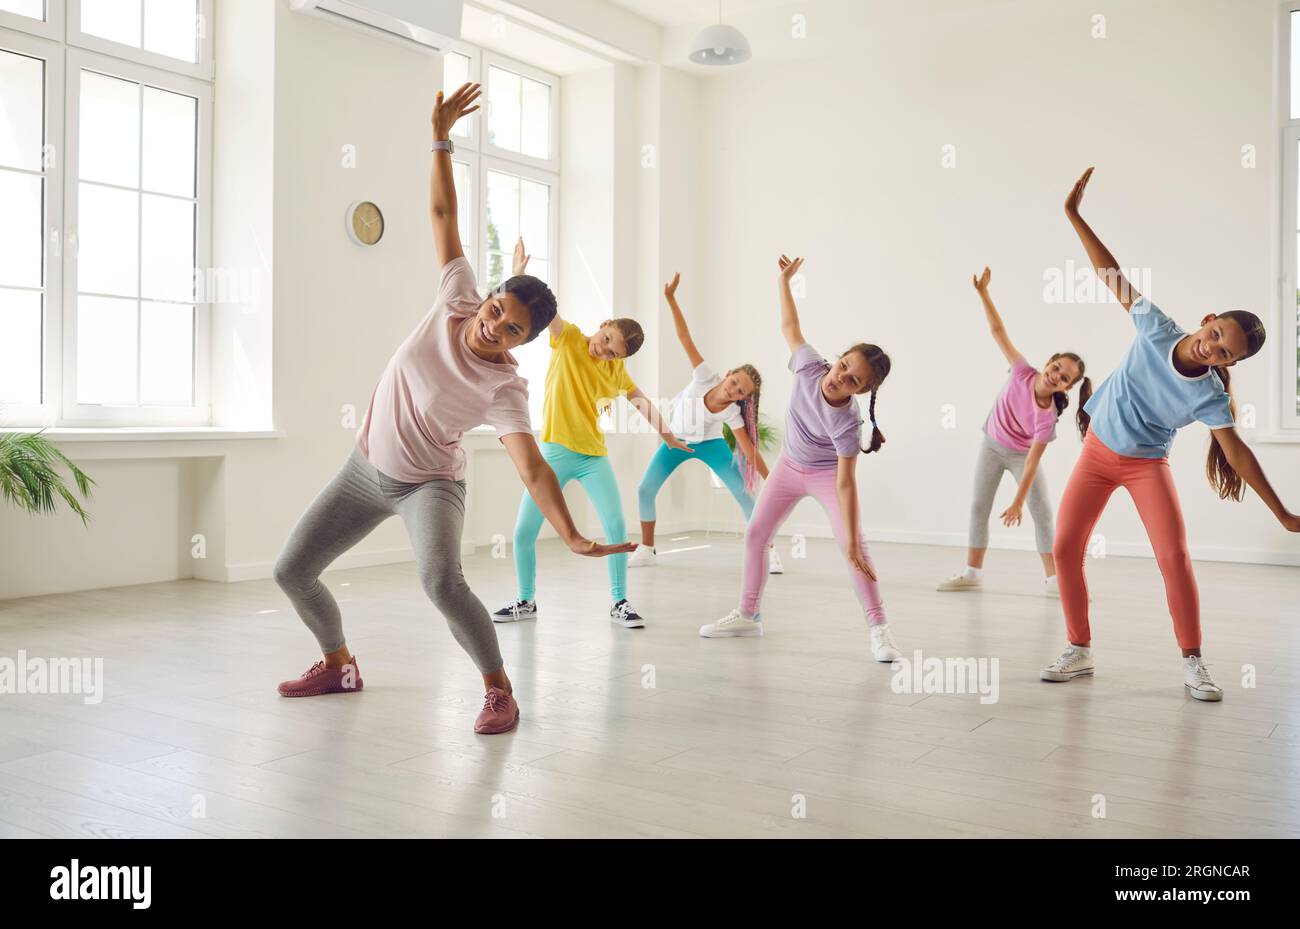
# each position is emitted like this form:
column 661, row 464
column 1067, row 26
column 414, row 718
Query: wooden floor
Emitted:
column 734, row 738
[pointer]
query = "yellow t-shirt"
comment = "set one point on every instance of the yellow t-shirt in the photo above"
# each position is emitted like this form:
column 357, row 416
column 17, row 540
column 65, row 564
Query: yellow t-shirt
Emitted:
column 578, row 386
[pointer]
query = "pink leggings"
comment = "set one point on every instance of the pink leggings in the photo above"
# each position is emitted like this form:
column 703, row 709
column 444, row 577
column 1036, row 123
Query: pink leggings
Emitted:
column 786, row 485
column 1098, row 472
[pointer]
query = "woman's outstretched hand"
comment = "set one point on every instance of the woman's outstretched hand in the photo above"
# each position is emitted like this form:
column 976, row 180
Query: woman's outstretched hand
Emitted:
column 1076, row 194
column 592, row 549
column 446, row 111
column 789, row 268
column 981, row 281
column 670, row 289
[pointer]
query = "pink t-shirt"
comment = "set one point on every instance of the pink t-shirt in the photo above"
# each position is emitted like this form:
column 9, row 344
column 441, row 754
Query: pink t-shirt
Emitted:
column 435, row 388
column 1016, row 420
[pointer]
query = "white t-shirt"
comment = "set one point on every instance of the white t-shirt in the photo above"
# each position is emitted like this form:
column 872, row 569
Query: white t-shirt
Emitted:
column 691, row 420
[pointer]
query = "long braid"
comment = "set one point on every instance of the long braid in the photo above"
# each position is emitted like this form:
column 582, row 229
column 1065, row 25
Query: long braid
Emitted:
column 749, row 410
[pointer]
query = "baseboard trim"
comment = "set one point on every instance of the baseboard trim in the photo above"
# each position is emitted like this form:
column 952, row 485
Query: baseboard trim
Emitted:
column 1116, row 549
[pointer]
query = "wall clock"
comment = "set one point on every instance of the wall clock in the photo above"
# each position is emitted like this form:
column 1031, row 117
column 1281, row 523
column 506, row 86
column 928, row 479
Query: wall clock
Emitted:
column 365, row 223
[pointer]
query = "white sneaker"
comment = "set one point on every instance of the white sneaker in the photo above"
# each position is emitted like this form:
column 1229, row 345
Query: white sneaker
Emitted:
column 515, row 612
column 643, row 557
column 1051, row 588
column 962, row 582
column 883, row 647
column 731, row 626
column 1197, row 680
column 774, row 565
column 1072, row 663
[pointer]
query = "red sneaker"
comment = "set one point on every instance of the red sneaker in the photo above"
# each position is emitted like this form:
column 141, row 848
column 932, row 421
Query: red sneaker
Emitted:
column 500, row 713
column 319, row 679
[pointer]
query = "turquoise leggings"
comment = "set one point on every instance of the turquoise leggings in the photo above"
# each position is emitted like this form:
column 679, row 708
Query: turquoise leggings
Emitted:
column 713, row 453
column 597, row 479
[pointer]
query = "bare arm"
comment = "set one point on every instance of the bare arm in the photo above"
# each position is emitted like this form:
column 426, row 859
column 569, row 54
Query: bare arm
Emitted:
column 1103, row 262
column 545, row 491
column 683, row 331
column 998, row 330
column 442, row 185
column 1245, row 463
column 1012, row 514
column 789, row 312
column 519, row 265
column 647, row 409
column 846, row 489
column 750, row 452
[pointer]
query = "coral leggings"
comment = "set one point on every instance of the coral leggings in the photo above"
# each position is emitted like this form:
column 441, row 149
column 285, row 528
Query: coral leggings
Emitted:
column 1098, row 472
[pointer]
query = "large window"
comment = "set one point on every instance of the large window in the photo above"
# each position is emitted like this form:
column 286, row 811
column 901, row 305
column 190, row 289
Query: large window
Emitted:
column 1290, row 97
column 507, row 173
column 105, row 119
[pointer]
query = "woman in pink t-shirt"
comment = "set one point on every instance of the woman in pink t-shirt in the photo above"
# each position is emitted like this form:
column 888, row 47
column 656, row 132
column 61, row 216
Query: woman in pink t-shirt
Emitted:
column 1016, row 433
column 452, row 374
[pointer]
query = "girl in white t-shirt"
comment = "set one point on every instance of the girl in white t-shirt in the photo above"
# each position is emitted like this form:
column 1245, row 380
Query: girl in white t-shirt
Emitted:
column 709, row 402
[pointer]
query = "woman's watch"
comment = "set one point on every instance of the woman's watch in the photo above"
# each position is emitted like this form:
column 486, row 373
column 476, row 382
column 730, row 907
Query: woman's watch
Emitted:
column 444, row 145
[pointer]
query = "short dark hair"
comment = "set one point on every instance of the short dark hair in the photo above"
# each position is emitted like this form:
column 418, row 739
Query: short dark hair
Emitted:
column 536, row 297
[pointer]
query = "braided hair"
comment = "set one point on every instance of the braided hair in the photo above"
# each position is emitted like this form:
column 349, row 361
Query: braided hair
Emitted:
column 749, row 410
column 878, row 361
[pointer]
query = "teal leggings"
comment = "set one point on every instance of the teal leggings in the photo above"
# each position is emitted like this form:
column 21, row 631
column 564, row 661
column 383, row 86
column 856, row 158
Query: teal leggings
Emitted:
column 713, row 453
column 597, row 479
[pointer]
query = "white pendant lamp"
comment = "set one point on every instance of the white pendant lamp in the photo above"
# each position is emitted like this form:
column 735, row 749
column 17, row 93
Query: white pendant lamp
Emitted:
column 720, row 44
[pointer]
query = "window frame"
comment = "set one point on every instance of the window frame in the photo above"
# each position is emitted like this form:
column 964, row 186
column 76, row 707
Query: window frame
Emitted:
column 552, row 81
column 1287, row 388
column 72, row 412
column 52, row 53
column 51, row 27
column 201, row 69
column 528, row 172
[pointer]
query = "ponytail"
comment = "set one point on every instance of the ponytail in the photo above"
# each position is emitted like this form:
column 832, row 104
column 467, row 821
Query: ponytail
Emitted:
column 1223, row 477
column 877, row 439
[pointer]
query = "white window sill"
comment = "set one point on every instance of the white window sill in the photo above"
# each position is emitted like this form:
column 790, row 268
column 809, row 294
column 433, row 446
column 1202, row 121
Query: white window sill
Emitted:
column 147, row 433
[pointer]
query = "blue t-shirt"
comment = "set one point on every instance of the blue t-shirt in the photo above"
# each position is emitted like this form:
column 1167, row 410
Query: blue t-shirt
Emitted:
column 1138, row 409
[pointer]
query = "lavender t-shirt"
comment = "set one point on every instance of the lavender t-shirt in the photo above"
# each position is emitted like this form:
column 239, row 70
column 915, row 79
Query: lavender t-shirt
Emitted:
column 1016, row 420
column 817, row 434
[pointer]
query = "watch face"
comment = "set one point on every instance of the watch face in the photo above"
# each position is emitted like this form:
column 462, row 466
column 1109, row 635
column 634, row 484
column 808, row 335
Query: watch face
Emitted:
column 367, row 223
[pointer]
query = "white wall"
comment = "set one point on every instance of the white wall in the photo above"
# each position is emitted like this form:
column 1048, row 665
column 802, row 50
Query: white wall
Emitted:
column 827, row 146
column 838, row 158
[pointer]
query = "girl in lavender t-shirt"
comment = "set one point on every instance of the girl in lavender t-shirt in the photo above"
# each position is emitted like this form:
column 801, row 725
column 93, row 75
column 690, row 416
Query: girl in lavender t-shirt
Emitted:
column 1016, row 433
column 822, row 442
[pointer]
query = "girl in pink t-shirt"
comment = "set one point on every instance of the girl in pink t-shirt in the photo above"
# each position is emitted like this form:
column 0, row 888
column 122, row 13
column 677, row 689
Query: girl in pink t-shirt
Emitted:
column 453, row 373
column 1016, row 433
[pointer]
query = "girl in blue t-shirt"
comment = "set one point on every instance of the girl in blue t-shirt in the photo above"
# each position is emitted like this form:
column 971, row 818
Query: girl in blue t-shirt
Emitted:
column 1168, row 379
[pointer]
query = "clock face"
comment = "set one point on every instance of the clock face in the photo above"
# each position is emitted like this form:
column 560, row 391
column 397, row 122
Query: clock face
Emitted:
column 365, row 223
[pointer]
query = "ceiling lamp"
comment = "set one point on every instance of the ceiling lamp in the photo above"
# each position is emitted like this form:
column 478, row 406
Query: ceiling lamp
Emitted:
column 720, row 44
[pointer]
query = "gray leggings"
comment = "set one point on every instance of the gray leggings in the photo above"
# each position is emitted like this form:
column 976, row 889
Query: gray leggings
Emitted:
column 994, row 458
column 357, row 500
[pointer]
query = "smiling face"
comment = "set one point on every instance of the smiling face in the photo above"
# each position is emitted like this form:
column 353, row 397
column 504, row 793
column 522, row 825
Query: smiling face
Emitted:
column 1057, row 375
column 735, row 387
column 608, row 343
column 849, row 374
column 500, row 324
column 1218, row 342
